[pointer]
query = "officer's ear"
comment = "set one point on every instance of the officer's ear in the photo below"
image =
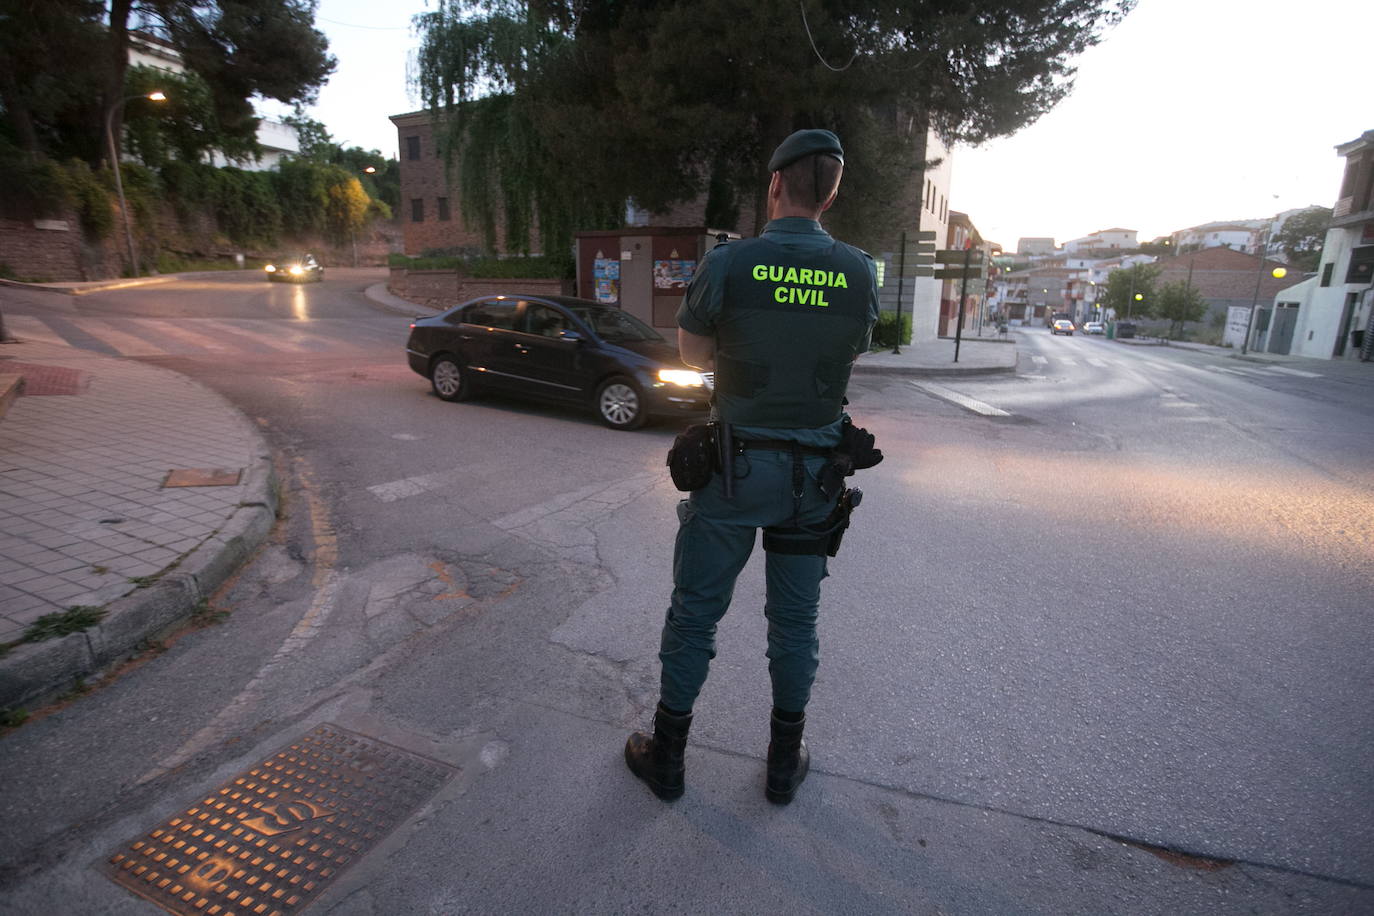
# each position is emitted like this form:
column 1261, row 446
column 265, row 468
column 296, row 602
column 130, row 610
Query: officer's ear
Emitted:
column 833, row 194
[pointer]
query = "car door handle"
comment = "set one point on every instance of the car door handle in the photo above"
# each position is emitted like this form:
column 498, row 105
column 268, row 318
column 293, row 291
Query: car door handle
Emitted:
column 521, row 348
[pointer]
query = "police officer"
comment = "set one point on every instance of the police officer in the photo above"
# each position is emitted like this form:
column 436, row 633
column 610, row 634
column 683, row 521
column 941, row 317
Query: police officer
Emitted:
column 780, row 319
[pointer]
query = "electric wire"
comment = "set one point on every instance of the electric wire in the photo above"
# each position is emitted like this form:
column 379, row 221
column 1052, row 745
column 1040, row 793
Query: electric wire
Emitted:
column 801, row 4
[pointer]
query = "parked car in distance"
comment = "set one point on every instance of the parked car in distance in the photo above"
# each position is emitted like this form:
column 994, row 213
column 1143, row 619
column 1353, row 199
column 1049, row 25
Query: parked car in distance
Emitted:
column 298, row 268
column 1062, row 326
column 1094, row 327
column 560, row 349
column 1125, row 329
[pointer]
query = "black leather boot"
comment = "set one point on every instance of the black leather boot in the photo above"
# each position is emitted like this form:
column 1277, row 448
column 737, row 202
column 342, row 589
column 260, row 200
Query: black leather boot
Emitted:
column 788, row 760
column 657, row 759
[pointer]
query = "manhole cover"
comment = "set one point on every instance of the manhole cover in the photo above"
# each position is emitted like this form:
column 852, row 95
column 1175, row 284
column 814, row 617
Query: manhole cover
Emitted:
column 202, row 477
column 274, row 837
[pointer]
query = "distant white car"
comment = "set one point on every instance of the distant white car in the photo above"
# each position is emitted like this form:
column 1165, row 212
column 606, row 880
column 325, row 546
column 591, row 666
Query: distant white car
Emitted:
column 1094, row 327
column 1062, row 326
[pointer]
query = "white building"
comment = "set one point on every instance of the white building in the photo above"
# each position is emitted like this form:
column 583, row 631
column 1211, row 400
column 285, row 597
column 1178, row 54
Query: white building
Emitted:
column 919, row 297
column 1242, row 235
column 1331, row 315
column 1103, row 240
column 276, row 139
column 1038, row 246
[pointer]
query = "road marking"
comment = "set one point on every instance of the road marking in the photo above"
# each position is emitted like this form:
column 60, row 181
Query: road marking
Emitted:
column 126, row 343
column 1040, row 360
column 1068, row 362
column 1099, row 363
column 26, row 327
column 1297, row 372
column 411, row 486
column 1229, row 371
column 963, row 401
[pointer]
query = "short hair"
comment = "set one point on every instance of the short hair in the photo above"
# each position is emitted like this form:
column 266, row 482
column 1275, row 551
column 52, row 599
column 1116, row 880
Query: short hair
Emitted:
column 810, row 180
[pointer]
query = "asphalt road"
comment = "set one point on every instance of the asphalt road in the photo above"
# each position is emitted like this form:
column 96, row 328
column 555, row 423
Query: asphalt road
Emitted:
column 1104, row 652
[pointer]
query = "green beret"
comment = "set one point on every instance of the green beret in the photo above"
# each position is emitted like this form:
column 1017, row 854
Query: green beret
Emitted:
column 805, row 143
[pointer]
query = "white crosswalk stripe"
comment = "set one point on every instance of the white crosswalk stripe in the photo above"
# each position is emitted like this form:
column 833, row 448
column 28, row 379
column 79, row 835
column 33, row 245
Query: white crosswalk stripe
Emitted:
column 1099, row 363
column 128, row 344
column 26, row 327
column 139, row 336
column 1067, row 361
column 1298, row 372
column 1040, row 360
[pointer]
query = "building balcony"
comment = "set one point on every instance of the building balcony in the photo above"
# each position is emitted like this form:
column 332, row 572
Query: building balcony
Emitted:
column 1345, row 214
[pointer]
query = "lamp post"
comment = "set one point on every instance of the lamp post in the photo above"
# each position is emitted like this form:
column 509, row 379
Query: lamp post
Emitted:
column 1278, row 273
column 157, row 96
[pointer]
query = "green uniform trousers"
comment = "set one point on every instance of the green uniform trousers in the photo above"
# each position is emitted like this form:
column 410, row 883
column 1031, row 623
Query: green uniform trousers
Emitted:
column 714, row 540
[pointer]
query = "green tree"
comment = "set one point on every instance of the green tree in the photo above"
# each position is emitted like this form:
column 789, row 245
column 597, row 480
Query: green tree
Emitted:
column 558, row 112
column 1179, row 302
column 1124, row 285
column 183, row 127
column 64, row 63
column 1303, row 235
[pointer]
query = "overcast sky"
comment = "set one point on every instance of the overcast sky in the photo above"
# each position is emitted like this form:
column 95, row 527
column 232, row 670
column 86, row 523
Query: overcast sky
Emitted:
column 1190, row 111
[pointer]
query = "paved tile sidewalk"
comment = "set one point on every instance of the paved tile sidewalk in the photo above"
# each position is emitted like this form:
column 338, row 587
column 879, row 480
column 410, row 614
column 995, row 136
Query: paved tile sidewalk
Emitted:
column 84, row 454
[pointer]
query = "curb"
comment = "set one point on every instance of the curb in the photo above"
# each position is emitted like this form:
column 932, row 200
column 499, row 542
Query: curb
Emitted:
column 930, row 371
column 378, row 295
column 95, row 288
column 36, row 672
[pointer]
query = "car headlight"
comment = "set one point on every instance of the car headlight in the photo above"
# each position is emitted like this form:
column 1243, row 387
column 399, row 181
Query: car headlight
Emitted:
column 271, row 268
column 684, row 377
column 296, row 270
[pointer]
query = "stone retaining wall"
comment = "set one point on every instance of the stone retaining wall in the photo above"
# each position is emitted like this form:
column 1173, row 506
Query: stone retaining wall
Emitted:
column 442, row 289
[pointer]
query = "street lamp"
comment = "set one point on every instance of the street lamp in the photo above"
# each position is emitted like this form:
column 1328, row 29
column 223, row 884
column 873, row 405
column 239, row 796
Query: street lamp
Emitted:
column 1278, row 273
column 155, row 96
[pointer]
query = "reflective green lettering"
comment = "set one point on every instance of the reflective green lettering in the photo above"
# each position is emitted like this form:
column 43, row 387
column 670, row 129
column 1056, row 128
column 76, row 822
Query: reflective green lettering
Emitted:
column 839, row 282
column 780, row 293
column 760, row 272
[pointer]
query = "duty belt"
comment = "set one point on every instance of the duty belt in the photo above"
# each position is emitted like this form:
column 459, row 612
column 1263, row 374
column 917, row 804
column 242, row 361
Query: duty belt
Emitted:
column 783, row 445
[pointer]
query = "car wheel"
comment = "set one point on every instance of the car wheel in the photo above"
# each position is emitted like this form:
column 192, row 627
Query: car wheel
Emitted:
column 450, row 380
column 620, row 404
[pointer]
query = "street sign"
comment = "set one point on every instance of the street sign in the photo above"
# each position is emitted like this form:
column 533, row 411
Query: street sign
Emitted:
column 958, row 273
column 923, row 236
column 957, row 255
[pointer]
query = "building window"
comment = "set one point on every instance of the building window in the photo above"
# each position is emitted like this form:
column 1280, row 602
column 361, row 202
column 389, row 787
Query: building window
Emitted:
column 412, row 147
column 1361, row 266
column 1326, row 273
column 417, row 210
column 443, row 210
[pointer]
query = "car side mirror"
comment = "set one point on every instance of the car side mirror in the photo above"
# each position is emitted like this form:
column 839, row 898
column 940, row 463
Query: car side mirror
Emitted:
column 568, row 334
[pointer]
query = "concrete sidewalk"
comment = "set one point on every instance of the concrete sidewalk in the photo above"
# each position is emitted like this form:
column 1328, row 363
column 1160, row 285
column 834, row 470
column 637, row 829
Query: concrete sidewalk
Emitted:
column 128, row 494
column 977, row 355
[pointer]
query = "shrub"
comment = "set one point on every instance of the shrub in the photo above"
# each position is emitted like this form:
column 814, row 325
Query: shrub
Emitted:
column 886, row 333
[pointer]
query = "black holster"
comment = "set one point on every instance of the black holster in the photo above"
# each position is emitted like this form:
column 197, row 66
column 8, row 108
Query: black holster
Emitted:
column 693, row 458
column 819, row 541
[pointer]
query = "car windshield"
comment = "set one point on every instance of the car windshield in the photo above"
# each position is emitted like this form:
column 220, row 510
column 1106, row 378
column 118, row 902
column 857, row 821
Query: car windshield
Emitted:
column 614, row 325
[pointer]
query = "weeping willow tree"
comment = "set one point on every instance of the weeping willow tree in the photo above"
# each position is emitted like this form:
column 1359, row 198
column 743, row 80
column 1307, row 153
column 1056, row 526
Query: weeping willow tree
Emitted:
column 554, row 113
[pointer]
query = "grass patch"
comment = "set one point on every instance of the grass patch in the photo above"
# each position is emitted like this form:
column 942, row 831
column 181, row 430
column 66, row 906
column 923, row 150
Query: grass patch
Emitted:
column 13, row 718
column 73, row 620
column 204, row 615
column 145, row 581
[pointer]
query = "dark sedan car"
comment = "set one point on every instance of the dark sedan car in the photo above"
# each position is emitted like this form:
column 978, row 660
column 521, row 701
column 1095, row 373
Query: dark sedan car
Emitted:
column 299, row 268
column 556, row 348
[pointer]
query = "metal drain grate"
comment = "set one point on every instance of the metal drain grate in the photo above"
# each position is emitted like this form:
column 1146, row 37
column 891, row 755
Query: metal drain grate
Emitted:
column 274, row 837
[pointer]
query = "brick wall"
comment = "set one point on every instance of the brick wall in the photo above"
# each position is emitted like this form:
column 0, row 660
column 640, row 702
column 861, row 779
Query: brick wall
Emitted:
column 32, row 253
column 442, row 289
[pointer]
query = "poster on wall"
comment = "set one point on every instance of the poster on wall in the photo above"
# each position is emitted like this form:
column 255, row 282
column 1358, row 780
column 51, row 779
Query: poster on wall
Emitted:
column 673, row 273
column 606, row 276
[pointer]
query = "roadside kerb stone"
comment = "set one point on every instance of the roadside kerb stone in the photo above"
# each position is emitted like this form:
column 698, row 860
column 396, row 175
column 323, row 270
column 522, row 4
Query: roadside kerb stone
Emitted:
column 32, row 673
